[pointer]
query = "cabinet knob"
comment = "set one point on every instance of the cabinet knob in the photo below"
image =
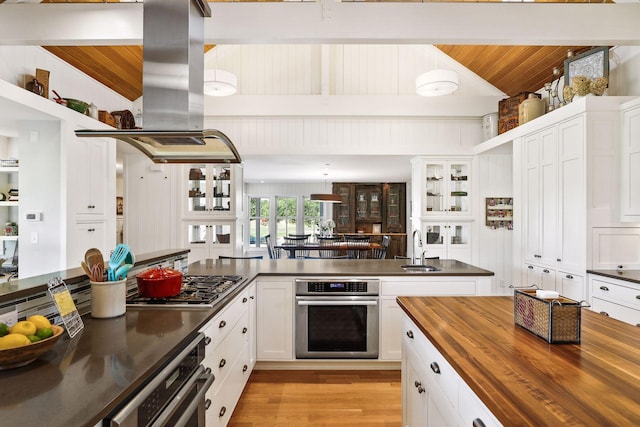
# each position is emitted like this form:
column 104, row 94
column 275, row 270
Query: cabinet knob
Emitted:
column 434, row 367
column 207, row 341
column 410, row 334
column 545, row 271
column 223, row 410
column 604, row 288
column 244, row 300
column 530, row 267
column 207, row 404
column 559, row 259
column 222, row 363
column 244, row 330
column 569, row 276
column 637, row 296
column 477, row 423
column 417, row 383
column 244, row 368
column 421, row 390
column 207, row 371
column 604, row 313
column 222, row 324
column 252, row 297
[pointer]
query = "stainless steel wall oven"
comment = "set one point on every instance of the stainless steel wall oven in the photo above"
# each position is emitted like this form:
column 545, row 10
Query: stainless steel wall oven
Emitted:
column 337, row 318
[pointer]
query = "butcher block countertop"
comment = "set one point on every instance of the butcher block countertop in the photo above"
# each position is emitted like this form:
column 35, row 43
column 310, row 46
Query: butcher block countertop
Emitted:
column 524, row 380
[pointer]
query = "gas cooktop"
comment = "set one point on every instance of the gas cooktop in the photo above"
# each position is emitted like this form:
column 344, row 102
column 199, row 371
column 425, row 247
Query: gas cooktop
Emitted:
column 197, row 291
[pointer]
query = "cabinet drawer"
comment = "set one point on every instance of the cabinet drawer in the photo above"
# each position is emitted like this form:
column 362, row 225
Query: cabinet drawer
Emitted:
column 572, row 286
column 471, row 410
column 617, row 311
column 413, row 337
column 431, row 288
column 626, row 295
column 218, row 328
column 227, row 352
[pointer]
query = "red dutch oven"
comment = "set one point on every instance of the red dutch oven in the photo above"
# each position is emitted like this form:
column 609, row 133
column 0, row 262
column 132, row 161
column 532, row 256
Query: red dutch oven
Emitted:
column 159, row 283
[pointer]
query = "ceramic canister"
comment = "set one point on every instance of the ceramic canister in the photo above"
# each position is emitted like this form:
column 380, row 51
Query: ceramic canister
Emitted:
column 531, row 108
column 489, row 126
column 108, row 299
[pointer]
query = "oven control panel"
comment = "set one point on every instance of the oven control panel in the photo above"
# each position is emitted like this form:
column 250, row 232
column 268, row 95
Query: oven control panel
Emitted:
column 342, row 287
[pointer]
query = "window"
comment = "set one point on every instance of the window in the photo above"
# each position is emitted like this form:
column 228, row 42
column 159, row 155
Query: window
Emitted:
column 286, row 213
column 313, row 212
column 258, row 221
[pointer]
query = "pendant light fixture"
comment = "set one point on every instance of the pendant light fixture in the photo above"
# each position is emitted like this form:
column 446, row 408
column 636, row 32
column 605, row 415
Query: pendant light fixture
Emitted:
column 437, row 82
column 326, row 196
column 220, row 83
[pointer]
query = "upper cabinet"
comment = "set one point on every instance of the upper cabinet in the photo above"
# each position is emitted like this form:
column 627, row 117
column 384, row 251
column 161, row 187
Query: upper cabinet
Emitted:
column 443, row 187
column 630, row 167
column 370, row 208
column 211, row 190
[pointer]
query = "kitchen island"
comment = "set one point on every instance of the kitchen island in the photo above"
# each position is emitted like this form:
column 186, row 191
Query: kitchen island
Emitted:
column 519, row 377
column 81, row 380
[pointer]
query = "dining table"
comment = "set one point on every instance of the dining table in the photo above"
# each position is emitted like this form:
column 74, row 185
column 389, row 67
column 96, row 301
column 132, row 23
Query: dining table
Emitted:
column 360, row 248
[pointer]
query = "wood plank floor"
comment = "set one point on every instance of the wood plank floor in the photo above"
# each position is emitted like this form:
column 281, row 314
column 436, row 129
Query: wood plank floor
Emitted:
column 320, row 398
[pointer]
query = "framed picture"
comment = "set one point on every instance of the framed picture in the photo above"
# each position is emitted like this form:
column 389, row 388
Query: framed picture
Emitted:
column 119, row 205
column 592, row 64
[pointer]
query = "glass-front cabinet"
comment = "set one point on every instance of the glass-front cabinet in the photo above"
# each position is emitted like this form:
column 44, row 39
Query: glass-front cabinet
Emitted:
column 447, row 240
column 210, row 190
column 368, row 203
column 209, row 239
column 343, row 215
column 446, row 188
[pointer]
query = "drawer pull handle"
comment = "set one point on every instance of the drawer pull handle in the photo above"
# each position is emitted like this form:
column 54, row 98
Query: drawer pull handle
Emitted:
column 222, row 363
column 410, row 334
column 244, row 368
column 569, row 276
column 530, row 267
column 222, row 324
column 244, row 330
column 421, row 390
column 477, row 423
column 637, row 296
column 434, row 367
column 545, row 271
column 604, row 288
column 244, row 299
column 417, row 383
column 223, row 410
column 604, row 313
column 207, row 341
column 559, row 259
column 252, row 297
column 207, row 404
column 207, row 371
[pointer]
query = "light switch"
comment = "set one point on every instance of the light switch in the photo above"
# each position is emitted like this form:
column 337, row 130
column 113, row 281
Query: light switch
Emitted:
column 34, row 237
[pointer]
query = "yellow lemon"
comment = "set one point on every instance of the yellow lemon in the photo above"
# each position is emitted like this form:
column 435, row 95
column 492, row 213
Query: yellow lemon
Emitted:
column 40, row 321
column 24, row 327
column 13, row 340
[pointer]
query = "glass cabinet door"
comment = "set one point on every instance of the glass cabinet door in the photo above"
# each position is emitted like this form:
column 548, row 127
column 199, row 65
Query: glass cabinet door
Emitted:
column 447, row 188
column 434, row 188
column 368, row 203
column 209, row 190
column 342, row 212
column 393, row 197
column 459, row 187
column 197, row 187
column 221, row 189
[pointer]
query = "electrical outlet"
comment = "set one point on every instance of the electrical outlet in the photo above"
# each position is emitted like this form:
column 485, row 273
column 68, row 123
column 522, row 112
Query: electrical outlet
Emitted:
column 9, row 318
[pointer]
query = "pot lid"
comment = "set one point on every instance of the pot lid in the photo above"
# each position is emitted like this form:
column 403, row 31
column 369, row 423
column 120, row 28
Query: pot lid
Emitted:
column 159, row 273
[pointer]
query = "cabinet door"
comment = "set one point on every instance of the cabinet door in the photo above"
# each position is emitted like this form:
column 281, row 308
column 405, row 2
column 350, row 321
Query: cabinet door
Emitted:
column 414, row 389
column 531, row 220
column 459, row 188
column 390, row 329
column 274, row 320
column 542, row 277
column 548, row 195
column 344, row 213
column 630, row 180
column 88, row 183
column 209, row 190
column 368, row 203
column 252, row 325
column 572, row 286
column 86, row 235
column 209, row 239
column 572, row 219
column 394, row 206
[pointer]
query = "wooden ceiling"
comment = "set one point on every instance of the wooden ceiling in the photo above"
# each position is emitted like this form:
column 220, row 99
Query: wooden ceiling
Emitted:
column 511, row 69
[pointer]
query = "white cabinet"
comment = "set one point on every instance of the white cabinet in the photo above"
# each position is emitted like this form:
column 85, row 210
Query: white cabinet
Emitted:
column 88, row 173
column 442, row 187
column 619, row 299
column 274, row 318
column 227, row 354
column 209, row 239
column 630, row 164
column 211, row 190
column 615, row 247
column 447, row 240
column 571, row 286
column 391, row 314
column 540, row 277
column 433, row 393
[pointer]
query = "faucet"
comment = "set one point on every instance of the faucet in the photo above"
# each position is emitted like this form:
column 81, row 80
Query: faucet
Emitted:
column 413, row 241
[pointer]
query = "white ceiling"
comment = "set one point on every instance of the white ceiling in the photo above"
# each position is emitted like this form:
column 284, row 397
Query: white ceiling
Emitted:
column 341, row 168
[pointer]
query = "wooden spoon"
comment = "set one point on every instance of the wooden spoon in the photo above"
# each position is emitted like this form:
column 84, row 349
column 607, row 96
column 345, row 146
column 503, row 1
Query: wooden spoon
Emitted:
column 94, row 257
column 86, row 269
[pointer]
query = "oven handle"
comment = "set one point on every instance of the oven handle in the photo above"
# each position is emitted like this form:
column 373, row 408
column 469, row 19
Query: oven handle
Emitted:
column 137, row 400
column 198, row 376
column 330, row 302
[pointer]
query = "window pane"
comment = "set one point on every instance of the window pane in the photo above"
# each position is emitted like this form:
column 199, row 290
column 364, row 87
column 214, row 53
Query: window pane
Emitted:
column 286, row 211
column 258, row 221
column 312, row 215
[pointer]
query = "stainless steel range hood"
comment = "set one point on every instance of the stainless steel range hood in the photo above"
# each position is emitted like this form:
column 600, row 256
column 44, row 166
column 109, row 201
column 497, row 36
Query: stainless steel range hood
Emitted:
column 172, row 89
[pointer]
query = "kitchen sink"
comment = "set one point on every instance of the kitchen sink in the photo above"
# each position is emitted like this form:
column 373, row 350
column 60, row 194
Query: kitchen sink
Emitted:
column 418, row 268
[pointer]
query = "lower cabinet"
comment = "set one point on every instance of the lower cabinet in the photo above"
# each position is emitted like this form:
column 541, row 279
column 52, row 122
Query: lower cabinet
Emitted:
column 228, row 355
column 542, row 277
column 619, row 299
column 433, row 394
column 274, row 318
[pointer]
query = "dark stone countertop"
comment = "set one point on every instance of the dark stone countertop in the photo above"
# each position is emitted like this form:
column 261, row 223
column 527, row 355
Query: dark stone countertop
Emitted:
column 627, row 275
column 81, row 380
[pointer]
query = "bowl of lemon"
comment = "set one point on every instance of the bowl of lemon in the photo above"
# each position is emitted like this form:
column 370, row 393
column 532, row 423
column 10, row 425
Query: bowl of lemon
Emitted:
column 27, row 340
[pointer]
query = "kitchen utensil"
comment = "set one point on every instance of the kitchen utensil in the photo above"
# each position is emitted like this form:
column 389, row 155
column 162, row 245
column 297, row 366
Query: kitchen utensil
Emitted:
column 86, row 269
column 159, row 282
column 21, row 356
column 97, row 273
column 93, row 256
column 121, row 272
column 117, row 257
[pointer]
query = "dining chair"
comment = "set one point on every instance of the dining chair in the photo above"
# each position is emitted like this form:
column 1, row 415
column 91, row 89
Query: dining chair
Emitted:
column 327, row 248
column 381, row 253
column 274, row 253
column 358, row 245
column 300, row 240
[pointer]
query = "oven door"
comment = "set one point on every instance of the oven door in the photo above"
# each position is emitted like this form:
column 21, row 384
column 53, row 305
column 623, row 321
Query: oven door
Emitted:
column 340, row 327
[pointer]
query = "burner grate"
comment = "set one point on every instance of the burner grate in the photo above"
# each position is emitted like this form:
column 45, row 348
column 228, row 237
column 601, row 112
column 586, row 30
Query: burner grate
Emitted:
column 195, row 290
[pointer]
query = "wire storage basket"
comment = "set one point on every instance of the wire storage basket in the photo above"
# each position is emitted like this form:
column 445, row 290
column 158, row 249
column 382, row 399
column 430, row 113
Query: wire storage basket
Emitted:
column 555, row 320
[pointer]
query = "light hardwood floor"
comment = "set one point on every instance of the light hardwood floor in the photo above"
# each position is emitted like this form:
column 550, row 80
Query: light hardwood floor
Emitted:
column 320, row 398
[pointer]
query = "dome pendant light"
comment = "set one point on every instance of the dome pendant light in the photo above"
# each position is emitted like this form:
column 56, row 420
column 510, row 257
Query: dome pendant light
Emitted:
column 220, row 83
column 437, row 82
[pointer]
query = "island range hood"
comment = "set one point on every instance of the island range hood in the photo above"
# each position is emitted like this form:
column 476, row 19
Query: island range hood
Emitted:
column 172, row 89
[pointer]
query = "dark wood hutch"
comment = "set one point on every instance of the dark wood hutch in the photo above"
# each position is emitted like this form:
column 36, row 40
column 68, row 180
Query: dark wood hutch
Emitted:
column 373, row 209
